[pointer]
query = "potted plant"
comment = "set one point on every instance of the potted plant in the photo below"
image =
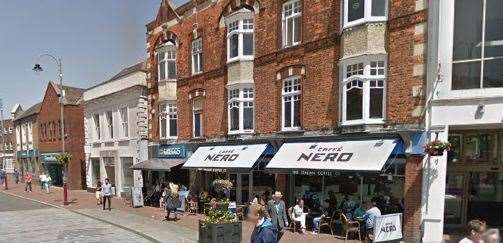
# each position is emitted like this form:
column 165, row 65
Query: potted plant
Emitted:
column 437, row 147
column 220, row 224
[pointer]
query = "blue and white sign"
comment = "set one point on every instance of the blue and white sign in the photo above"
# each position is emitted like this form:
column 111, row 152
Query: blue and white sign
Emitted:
column 49, row 157
column 172, row 151
column 388, row 227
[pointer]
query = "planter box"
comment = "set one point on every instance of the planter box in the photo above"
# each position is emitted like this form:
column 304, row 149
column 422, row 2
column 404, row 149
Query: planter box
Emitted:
column 220, row 233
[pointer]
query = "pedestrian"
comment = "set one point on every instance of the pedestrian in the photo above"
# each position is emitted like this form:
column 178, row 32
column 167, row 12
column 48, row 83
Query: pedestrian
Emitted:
column 27, row 180
column 48, row 183
column 2, row 176
column 474, row 231
column 492, row 236
column 171, row 200
column 16, row 176
column 264, row 230
column 106, row 191
column 370, row 215
column 42, row 180
column 277, row 211
column 98, row 193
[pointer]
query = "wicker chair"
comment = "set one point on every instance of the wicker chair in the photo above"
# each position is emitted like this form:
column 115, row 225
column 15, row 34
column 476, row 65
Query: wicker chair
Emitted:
column 328, row 221
column 193, row 207
column 350, row 227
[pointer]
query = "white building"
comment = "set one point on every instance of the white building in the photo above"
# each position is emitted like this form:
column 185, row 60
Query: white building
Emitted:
column 465, row 85
column 115, row 114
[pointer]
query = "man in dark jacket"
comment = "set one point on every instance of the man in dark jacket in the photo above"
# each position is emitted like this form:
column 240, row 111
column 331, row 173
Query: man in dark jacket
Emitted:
column 277, row 212
column 264, row 231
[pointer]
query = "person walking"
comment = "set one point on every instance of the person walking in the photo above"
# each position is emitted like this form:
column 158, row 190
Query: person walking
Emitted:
column 2, row 176
column 16, row 176
column 42, row 180
column 27, row 180
column 277, row 211
column 106, row 191
column 98, row 193
column 474, row 231
column 370, row 215
column 171, row 200
column 48, row 183
column 264, row 230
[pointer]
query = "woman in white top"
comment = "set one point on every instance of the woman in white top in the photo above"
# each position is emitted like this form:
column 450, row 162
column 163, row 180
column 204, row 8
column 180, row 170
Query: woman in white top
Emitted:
column 474, row 231
column 298, row 214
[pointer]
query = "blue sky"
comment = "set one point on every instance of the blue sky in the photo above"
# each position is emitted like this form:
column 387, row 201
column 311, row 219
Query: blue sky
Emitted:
column 95, row 39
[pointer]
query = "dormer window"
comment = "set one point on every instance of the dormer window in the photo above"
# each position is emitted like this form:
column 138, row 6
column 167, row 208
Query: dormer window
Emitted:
column 240, row 36
column 357, row 12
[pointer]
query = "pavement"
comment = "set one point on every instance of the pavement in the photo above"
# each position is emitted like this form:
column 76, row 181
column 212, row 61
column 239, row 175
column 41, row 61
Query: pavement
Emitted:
column 123, row 223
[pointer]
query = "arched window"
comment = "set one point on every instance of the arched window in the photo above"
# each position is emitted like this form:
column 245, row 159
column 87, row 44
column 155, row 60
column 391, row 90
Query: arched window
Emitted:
column 166, row 62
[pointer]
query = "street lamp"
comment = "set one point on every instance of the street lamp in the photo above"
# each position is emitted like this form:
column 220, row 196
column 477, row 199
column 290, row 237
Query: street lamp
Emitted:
column 38, row 68
column 2, row 132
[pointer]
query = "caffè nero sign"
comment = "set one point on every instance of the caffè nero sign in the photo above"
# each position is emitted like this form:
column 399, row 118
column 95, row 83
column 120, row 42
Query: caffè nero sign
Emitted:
column 232, row 156
column 357, row 155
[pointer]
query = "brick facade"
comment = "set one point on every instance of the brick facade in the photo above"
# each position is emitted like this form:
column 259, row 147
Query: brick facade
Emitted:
column 50, row 139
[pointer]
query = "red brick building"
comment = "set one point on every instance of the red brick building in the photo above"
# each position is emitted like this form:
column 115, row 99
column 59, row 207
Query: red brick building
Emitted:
column 49, row 134
column 250, row 71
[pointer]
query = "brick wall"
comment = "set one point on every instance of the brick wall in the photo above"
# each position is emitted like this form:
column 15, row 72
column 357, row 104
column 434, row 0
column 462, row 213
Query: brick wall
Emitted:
column 74, row 127
column 412, row 199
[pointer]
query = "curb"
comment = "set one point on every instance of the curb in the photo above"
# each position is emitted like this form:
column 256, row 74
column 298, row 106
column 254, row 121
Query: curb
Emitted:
column 151, row 239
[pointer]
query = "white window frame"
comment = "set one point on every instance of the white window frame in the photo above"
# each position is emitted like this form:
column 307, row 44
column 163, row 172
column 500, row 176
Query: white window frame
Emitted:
column 168, row 111
column 366, row 78
column 197, row 51
column 284, row 20
column 124, row 123
column 242, row 100
column 166, row 53
column 367, row 14
column 110, row 124
column 97, row 127
column 291, row 94
column 240, row 23
column 445, row 41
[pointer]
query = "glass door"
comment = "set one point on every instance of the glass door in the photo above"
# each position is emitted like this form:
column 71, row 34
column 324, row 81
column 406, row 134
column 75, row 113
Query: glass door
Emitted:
column 455, row 199
column 485, row 199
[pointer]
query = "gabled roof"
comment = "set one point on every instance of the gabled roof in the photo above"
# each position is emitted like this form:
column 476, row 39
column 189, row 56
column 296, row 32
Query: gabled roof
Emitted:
column 138, row 67
column 33, row 110
column 73, row 95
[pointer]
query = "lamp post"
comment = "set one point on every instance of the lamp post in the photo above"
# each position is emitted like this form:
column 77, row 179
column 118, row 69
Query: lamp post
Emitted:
column 2, row 132
column 38, row 68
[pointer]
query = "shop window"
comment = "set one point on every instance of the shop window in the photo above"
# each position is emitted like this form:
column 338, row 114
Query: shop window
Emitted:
column 168, row 121
column 357, row 12
column 127, row 172
column 166, row 62
column 454, row 154
column 363, row 92
column 292, row 23
column 197, row 56
column 477, row 50
column 291, row 100
column 240, row 36
column 241, row 109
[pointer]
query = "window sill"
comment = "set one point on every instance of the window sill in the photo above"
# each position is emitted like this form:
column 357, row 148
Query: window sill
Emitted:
column 168, row 138
column 198, row 73
column 240, row 132
column 240, row 59
column 363, row 122
column 198, row 139
column 166, row 80
column 291, row 46
column 291, row 131
column 363, row 22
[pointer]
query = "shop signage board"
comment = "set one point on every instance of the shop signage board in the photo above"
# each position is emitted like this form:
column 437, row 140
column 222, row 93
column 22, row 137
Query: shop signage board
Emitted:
column 224, row 157
column 49, row 157
column 356, row 155
column 388, row 227
column 172, row 151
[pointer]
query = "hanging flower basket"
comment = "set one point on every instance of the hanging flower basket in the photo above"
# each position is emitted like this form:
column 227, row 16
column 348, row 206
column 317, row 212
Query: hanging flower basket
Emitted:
column 436, row 148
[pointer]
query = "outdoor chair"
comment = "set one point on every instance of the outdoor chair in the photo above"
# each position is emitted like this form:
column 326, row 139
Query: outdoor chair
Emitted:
column 295, row 223
column 328, row 221
column 350, row 227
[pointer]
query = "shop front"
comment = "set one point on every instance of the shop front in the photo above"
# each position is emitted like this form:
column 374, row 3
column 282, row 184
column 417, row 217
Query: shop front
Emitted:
column 474, row 185
column 52, row 168
column 341, row 173
column 164, row 166
column 243, row 165
column 28, row 161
